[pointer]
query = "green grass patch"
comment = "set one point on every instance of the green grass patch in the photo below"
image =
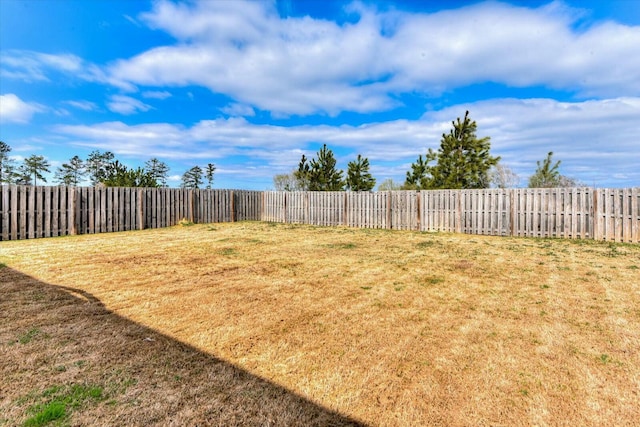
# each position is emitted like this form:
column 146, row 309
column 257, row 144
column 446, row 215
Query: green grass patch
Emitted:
column 27, row 337
column 46, row 414
column 57, row 402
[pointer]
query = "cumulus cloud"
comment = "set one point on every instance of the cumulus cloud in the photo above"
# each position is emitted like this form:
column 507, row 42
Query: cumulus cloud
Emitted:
column 238, row 110
column 303, row 65
column 15, row 110
column 126, row 105
column 592, row 138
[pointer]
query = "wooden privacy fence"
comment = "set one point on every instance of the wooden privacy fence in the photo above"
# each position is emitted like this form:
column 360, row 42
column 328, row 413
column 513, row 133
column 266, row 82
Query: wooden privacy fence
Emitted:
column 28, row 212
column 576, row 213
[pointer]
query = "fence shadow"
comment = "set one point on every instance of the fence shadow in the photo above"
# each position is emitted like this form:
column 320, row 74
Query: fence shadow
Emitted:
column 53, row 335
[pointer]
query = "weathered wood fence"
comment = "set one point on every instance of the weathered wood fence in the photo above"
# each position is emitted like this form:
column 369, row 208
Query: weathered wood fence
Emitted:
column 576, row 213
column 28, row 212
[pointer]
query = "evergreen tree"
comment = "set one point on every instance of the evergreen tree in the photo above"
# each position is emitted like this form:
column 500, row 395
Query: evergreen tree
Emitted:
column 7, row 166
column 70, row 173
column 33, row 167
column 119, row 175
column 303, row 174
column 192, row 178
column 462, row 161
column 358, row 176
column 22, row 176
column 547, row 175
column 10, row 173
column 418, row 177
column 208, row 173
column 323, row 175
column 97, row 164
column 158, row 170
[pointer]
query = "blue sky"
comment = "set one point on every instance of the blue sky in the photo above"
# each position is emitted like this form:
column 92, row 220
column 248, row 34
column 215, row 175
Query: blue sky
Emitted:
column 251, row 86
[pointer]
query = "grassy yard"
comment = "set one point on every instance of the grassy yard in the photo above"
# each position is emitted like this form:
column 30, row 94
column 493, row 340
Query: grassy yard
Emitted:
column 272, row 324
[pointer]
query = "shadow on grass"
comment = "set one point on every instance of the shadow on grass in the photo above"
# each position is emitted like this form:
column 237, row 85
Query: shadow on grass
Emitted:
column 148, row 378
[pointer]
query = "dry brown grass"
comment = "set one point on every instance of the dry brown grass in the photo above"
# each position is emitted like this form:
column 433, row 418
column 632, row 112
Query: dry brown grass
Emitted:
column 264, row 324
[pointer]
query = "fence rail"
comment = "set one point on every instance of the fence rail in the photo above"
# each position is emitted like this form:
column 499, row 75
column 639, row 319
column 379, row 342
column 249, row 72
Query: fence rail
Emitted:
column 575, row 213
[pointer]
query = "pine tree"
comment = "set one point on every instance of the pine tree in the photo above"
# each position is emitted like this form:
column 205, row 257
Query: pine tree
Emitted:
column 33, row 167
column 418, row 177
column 97, row 164
column 70, row 173
column 158, row 170
column 547, row 175
column 119, row 175
column 462, row 161
column 323, row 175
column 7, row 167
column 208, row 173
column 192, row 178
column 302, row 175
column 358, row 176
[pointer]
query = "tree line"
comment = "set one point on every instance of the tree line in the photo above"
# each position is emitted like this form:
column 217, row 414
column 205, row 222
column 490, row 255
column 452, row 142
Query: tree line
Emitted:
column 99, row 168
column 463, row 161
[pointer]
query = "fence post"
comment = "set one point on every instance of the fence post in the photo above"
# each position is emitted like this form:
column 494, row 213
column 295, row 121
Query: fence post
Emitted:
column 284, row 207
column 4, row 227
column 418, row 209
column 345, row 210
column 73, row 218
column 595, row 216
column 459, row 208
column 233, row 206
column 140, row 209
column 512, row 212
column 389, row 203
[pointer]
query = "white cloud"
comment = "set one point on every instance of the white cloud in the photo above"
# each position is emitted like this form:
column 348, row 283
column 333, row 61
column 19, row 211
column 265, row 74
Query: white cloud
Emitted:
column 593, row 139
column 238, row 110
column 82, row 105
column 156, row 94
column 15, row 110
column 306, row 65
column 34, row 66
column 126, row 105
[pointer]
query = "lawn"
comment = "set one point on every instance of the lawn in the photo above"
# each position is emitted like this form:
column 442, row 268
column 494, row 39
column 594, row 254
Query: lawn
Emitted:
column 274, row 324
